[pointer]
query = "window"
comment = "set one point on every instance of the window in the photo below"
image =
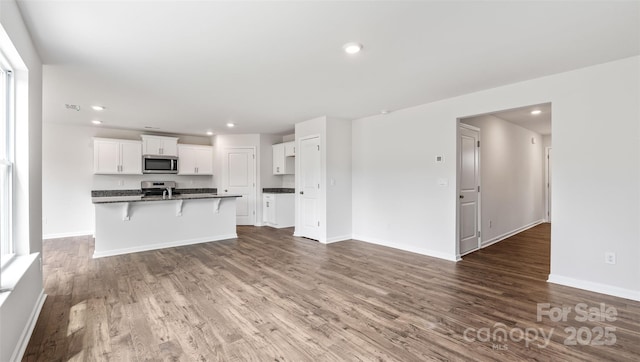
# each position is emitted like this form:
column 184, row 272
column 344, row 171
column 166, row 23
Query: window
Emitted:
column 6, row 161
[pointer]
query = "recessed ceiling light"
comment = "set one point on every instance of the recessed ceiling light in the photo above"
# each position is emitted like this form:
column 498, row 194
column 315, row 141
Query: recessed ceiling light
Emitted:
column 384, row 111
column 352, row 48
column 536, row 111
column 230, row 125
column 98, row 108
column 95, row 121
column 209, row 133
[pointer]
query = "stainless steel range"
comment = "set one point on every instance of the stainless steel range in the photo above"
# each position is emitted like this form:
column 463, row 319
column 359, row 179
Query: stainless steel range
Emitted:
column 166, row 189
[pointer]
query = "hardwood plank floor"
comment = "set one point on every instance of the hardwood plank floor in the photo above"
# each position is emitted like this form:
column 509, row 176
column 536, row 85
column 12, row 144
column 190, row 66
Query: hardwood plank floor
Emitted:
column 268, row 296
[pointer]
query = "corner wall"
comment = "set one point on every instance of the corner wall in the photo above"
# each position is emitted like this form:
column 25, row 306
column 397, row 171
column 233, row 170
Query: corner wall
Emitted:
column 397, row 200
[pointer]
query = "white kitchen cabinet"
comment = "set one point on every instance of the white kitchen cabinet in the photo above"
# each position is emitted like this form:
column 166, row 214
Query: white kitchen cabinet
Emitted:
column 117, row 157
column 159, row 145
column 289, row 149
column 278, row 210
column 282, row 165
column 195, row 160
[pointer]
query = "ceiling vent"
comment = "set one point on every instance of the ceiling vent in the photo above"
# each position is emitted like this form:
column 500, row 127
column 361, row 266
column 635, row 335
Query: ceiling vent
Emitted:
column 73, row 107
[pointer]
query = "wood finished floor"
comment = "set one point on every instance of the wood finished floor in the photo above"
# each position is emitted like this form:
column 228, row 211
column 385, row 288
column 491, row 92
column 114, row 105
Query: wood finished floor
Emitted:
column 268, row 296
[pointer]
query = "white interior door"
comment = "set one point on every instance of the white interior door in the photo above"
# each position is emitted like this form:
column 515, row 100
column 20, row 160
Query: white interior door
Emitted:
column 309, row 190
column 468, row 197
column 238, row 177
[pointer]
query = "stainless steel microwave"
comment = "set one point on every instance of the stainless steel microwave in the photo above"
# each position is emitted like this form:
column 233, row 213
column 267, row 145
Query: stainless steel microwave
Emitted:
column 159, row 164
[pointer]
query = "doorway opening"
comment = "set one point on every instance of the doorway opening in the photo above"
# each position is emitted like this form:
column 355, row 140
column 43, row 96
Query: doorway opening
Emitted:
column 504, row 180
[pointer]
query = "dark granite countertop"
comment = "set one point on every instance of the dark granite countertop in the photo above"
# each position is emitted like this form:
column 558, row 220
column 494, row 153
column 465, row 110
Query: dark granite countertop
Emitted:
column 279, row 190
column 133, row 192
column 113, row 196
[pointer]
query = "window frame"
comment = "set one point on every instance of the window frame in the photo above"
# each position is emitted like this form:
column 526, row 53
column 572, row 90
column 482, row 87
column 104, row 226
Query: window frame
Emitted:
column 7, row 161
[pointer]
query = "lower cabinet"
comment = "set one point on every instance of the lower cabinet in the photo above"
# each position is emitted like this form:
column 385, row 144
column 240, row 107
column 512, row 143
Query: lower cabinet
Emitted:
column 278, row 210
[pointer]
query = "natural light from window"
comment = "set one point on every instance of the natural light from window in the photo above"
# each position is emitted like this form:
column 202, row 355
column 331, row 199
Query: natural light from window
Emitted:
column 6, row 161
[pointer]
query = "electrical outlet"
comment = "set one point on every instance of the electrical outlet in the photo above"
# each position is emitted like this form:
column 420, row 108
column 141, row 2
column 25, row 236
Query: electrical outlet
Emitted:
column 610, row 257
column 120, row 182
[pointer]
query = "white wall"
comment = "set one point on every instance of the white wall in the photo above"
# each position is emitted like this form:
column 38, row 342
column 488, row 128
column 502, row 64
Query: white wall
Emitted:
column 512, row 177
column 19, row 309
column 596, row 173
column 68, row 176
column 546, row 141
column 338, row 179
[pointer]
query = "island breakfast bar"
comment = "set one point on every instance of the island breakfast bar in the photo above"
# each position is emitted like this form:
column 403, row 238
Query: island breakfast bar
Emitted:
column 129, row 222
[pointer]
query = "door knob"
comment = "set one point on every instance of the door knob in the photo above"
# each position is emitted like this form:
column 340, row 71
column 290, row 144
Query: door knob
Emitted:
column 226, row 190
column 301, row 192
column 462, row 196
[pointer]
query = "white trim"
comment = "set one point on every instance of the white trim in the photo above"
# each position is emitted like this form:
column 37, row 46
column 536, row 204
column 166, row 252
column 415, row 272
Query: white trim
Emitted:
column 336, row 239
column 18, row 353
column 413, row 249
column 595, row 287
column 509, row 234
column 102, row 254
column 68, row 234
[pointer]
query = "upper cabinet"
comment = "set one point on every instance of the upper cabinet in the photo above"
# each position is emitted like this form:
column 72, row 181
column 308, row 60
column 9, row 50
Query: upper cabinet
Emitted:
column 117, row 157
column 289, row 149
column 282, row 165
column 159, row 145
column 195, row 160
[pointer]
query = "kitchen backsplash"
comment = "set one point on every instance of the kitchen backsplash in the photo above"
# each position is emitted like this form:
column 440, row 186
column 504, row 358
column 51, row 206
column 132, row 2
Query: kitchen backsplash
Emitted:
column 288, row 181
column 127, row 182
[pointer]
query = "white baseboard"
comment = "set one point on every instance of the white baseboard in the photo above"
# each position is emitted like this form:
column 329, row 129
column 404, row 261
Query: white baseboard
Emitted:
column 18, row 353
column 509, row 234
column 335, row 239
column 137, row 249
column 67, row 235
column 410, row 248
column 595, row 287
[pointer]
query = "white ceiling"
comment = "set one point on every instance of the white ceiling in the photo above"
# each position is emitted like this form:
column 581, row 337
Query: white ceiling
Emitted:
column 540, row 123
column 191, row 66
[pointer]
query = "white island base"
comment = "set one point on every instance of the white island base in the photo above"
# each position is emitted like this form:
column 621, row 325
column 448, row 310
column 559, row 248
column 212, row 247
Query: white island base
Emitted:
column 129, row 227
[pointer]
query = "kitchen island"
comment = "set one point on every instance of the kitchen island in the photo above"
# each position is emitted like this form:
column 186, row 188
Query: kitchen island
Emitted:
column 128, row 222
